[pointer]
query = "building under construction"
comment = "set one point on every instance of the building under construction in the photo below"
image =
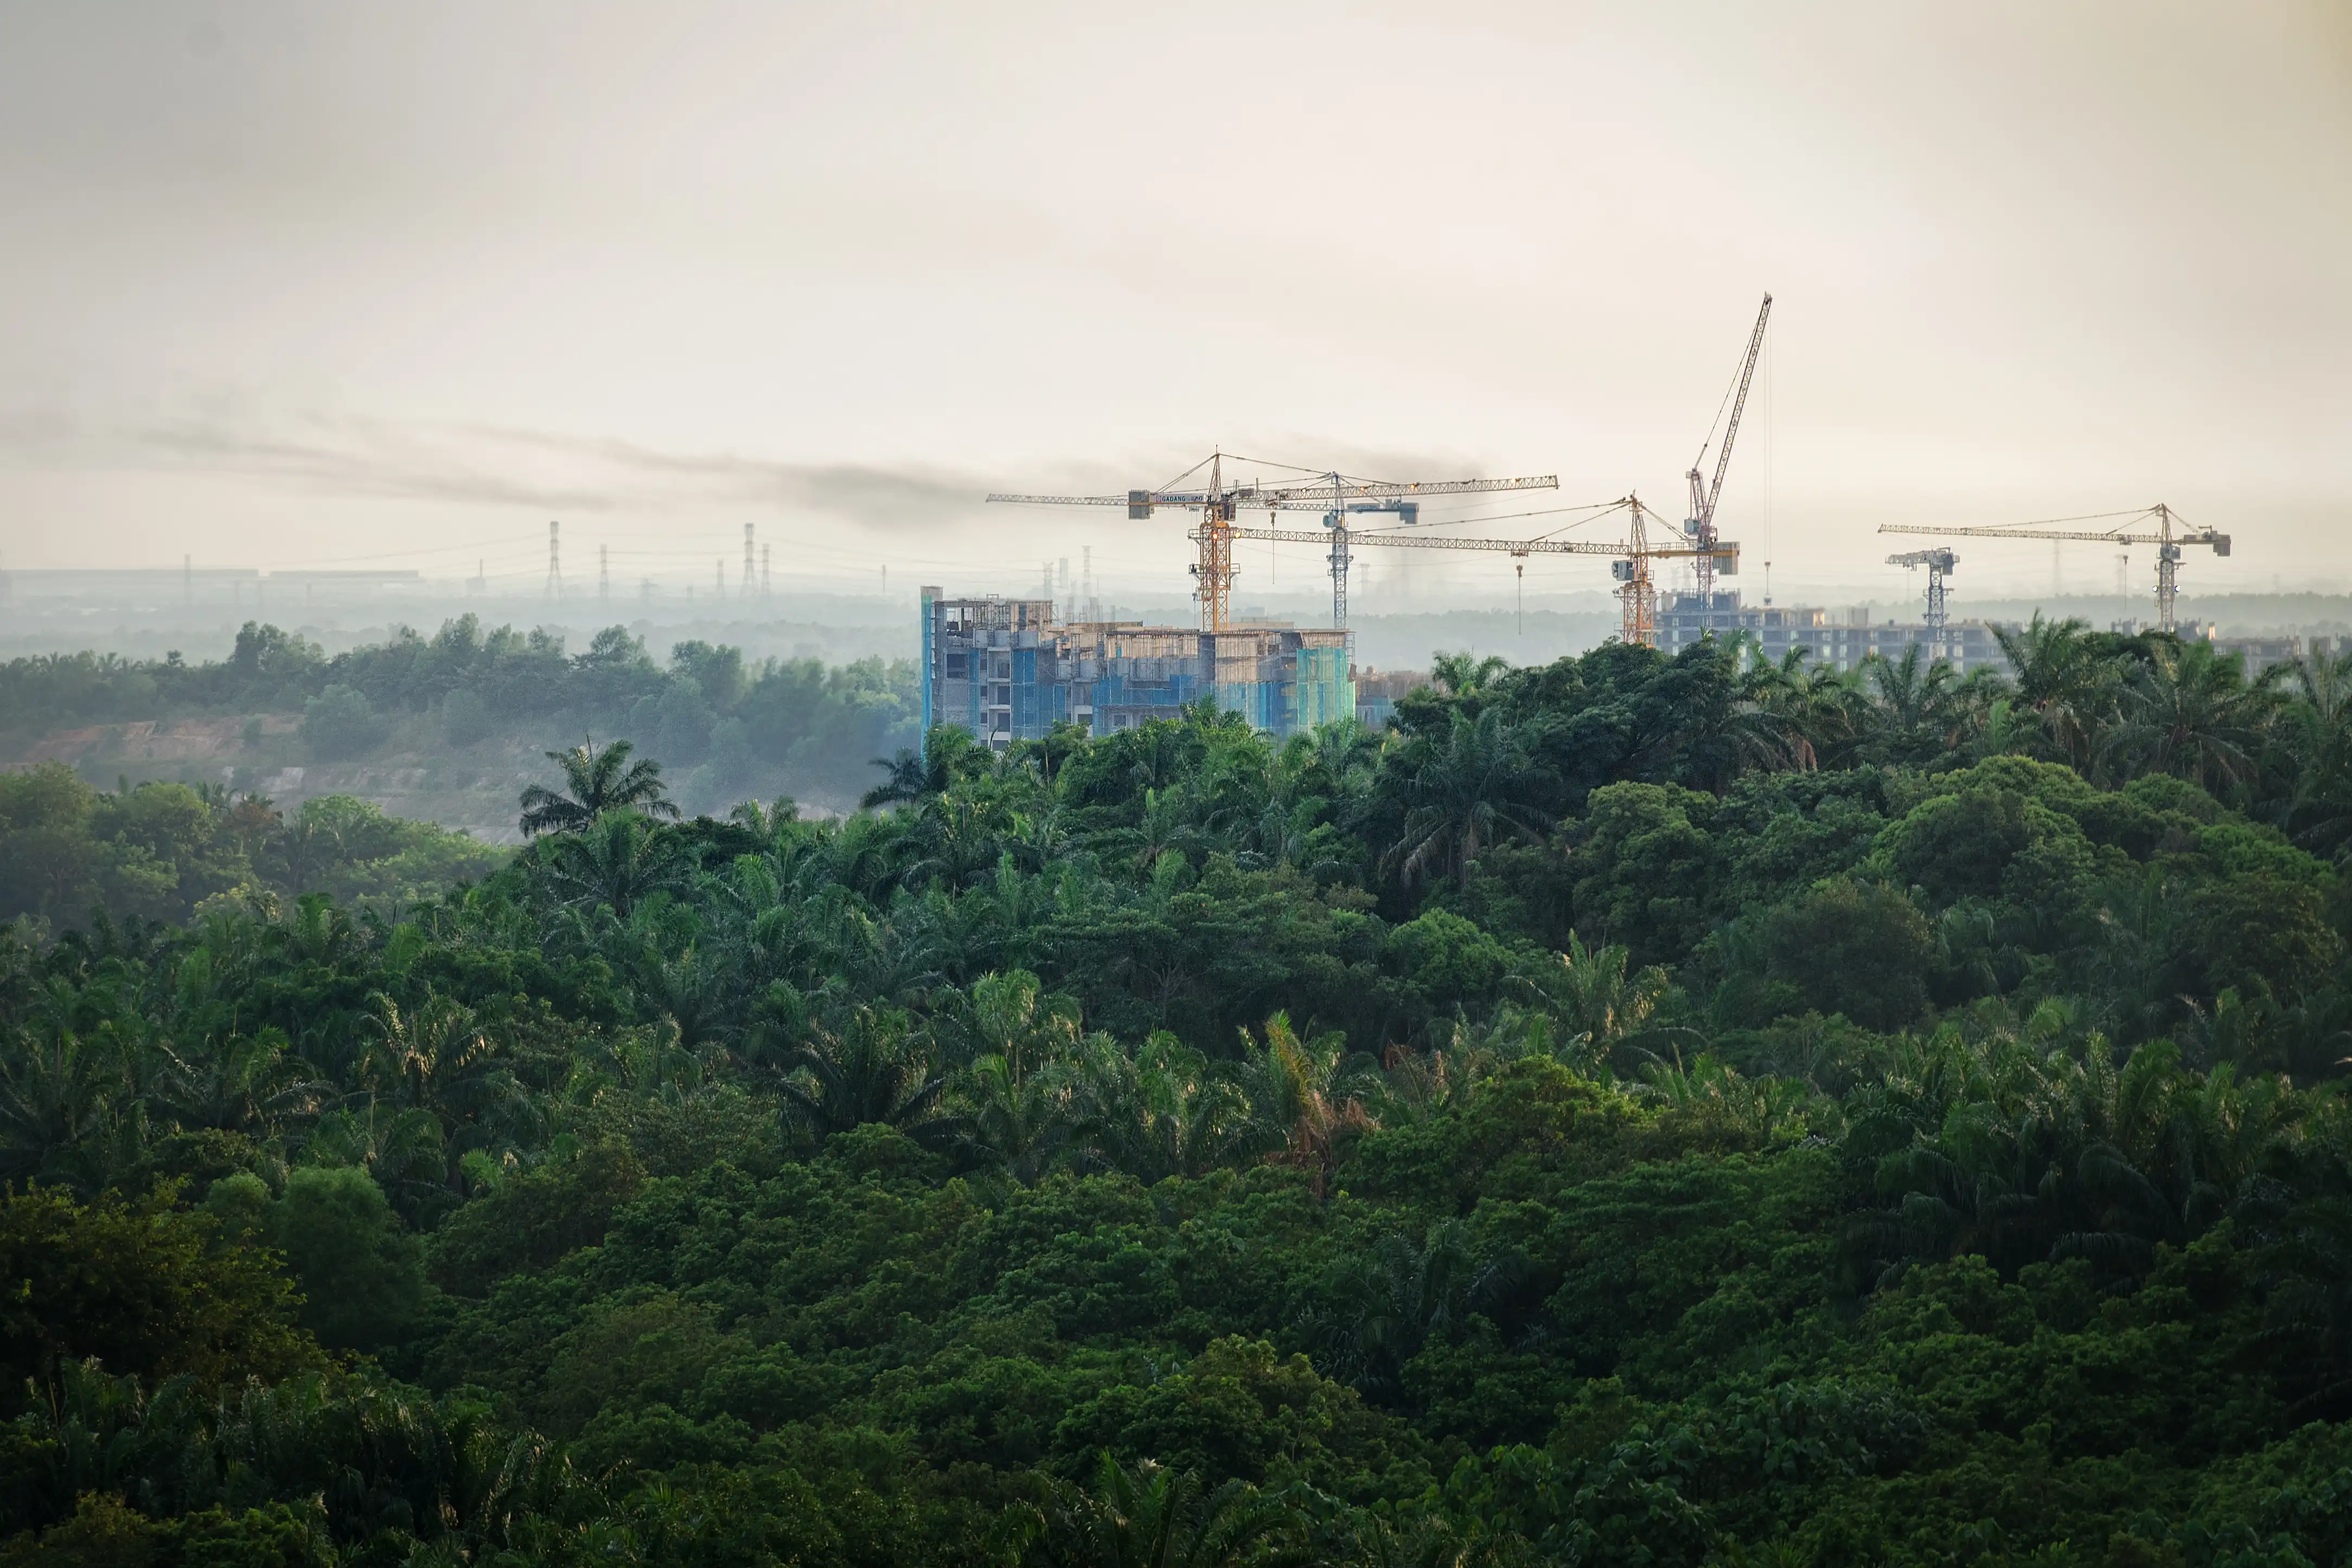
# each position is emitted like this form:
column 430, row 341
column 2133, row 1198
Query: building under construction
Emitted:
column 1835, row 642
column 1008, row 669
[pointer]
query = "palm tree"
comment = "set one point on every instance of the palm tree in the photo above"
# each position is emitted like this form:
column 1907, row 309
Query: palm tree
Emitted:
column 307, row 847
column 1302, row 1095
column 616, row 860
column 247, row 1084
column 2189, row 711
column 874, row 1069
column 1016, row 1121
column 1010, row 1022
column 1734, row 713
column 959, row 839
column 1159, row 1113
column 948, row 755
column 1815, row 709
column 598, row 782
column 767, row 822
column 1466, row 674
column 1342, row 751
column 1167, row 829
column 60, row 1099
column 1468, row 791
column 2318, row 809
column 1602, row 1001
column 2064, row 680
column 1919, row 717
column 1148, row 1516
column 433, row 1056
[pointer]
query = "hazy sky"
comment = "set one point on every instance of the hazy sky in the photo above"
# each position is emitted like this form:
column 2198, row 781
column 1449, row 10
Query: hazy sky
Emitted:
column 295, row 285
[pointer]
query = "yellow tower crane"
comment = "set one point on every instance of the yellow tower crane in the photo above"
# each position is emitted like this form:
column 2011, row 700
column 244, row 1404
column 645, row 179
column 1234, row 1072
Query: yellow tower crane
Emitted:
column 1220, row 503
column 1636, row 593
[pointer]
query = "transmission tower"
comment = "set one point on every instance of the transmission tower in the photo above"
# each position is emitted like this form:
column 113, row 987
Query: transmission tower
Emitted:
column 556, row 561
column 765, row 592
column 604, row 575
column 747, row 560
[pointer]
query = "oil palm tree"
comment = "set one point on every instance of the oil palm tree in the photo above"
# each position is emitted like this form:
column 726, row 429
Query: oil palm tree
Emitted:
column 2188, row 711
column 1822, row 713
column 434, row 1056
column 1156, row 1113
column 1305, row 1101
column 1016, row 1121
column 64, row 1098
column 2064, row 680
column 597, row 780
column 1148, row 1516
column 946, row 756
column 872, row 1069
column 616, row 860
column 1601, row 999
column 247, row 1083
column 1473, row 788
column 2318, row 734
column 305, row 850
column 1466, row 675
column 1919, row 719
column 1167, row 829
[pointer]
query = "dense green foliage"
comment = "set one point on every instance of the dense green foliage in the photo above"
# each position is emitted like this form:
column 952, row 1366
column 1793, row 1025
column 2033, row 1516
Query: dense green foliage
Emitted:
column 162, row 851
column 1637, row 1111
column 726, row 728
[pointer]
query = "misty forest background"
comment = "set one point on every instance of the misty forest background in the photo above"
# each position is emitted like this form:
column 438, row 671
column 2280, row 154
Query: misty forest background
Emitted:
column 448, row 727
column 1642, row 1110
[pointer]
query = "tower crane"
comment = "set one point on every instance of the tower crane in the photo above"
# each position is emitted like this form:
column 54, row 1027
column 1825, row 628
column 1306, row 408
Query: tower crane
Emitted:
column 2169, row 534
column 1940, row 563
column 1408, row 515
column 1637, row 593
column 1700, row 525
column 1220, row 504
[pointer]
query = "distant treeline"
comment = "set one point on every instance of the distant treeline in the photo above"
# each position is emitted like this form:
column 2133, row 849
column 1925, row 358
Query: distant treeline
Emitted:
column 795, row 724
column 163, row 851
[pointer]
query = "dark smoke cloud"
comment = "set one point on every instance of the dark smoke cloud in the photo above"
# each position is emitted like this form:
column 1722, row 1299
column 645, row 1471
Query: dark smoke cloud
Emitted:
column 491, row 467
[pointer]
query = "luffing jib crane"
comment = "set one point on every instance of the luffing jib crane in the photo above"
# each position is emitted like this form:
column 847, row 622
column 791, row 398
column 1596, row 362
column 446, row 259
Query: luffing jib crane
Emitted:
column 1700, row 525
column 1940, row 564
column 1220, row 504
column 2169, row 536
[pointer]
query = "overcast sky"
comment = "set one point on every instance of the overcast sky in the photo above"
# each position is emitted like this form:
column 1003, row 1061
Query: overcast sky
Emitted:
column 295, row 285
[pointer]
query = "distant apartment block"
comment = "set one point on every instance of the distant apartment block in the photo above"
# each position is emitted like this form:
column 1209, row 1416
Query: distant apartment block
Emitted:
column 1837, row 643
column 1377, row 692
column 1008, row 670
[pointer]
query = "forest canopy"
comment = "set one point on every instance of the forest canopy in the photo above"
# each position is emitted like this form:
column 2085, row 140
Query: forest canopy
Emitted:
column 1642, row 1110
column 726, row 726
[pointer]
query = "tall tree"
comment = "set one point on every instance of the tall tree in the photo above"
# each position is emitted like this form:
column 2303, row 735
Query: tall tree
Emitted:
column 2188, row 711
column 597, row 780
column 1470, row 789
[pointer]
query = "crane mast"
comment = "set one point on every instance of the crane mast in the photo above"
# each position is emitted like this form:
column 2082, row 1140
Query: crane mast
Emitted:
column 1700, row 525
column 1940, row 564
column 1637, row 594
column 2169, row 534
column 1219, row 503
